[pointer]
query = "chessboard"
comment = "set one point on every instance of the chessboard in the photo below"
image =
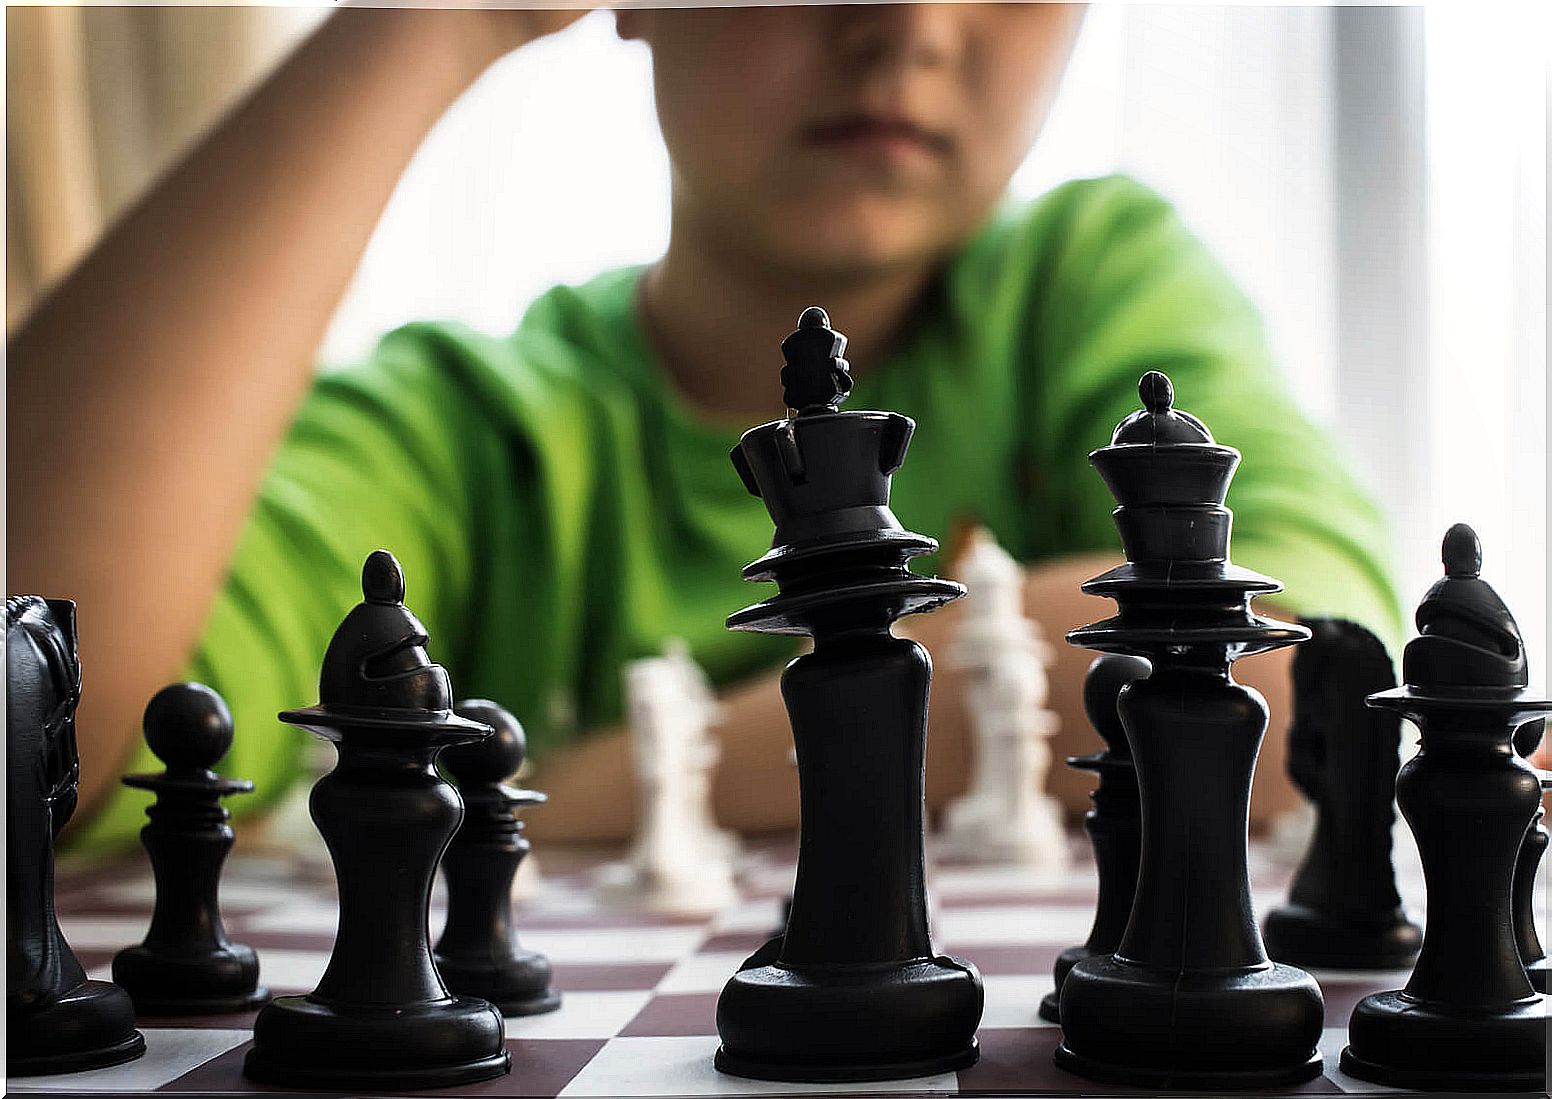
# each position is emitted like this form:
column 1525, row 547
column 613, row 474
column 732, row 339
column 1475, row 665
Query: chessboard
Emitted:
column 640, row 991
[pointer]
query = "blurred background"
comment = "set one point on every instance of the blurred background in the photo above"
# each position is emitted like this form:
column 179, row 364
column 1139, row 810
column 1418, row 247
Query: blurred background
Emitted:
column 1374, row 176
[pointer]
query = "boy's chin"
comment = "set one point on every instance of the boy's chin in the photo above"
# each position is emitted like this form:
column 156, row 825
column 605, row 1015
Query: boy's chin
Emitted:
column 859, row 244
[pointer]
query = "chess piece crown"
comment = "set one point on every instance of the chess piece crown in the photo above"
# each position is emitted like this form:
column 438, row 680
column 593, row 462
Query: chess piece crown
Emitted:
column 189, row 728
column 824, row 476
column 1467, row 639
column 1170, row 479
column 376, row 672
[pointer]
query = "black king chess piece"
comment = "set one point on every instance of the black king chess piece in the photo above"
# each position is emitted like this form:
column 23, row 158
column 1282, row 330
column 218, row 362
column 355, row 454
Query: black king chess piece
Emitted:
column 1114, row 824
column 56, row 1019
column 1526, row 740
column 187, row 966
column 1343, row 910
column 478, row 953
column 381, row 1016
column 1189, row 998
column 853, row 989
column 1468, row 1019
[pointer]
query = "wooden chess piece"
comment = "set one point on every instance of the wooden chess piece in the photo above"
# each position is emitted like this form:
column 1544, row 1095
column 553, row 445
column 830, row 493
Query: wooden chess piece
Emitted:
column 1469, row 1018
column 1189, row 998
column 56, row 1020
column 478, row 953
column 853, row 990
column 1114, row 824
column 186, row 965
column 381, row 1018
column 1343, row 909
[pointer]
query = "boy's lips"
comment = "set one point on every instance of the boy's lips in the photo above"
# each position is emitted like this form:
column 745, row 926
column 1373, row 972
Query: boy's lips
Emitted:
column 868, row 133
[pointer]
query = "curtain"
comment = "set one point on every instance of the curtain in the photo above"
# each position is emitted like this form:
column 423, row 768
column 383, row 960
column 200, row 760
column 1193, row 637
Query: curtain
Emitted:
column 98, row 101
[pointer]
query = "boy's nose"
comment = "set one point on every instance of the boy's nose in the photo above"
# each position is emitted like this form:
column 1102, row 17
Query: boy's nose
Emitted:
column 898, row 34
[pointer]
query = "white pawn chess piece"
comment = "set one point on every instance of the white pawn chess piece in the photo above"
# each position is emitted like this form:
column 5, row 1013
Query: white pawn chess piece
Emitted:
column 678, row 863
column 1006, row 817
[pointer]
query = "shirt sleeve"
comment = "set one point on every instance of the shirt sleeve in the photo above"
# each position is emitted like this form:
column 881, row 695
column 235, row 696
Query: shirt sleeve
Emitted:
column 1125, row 288
column 383, row 455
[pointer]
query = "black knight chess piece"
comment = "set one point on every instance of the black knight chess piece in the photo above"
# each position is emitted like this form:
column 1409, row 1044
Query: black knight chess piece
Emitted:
column 478, row 953
column 381, row 1018
column 1114, row 824
column 56, row 1020
column 853, row 990
column 1189, row 998
column 187, row 966
column 1468, row 1019
column 1526, row 740
column 1343, row 910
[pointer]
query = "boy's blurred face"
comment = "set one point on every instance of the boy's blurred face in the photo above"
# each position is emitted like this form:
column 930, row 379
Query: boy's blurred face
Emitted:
column 844, row 140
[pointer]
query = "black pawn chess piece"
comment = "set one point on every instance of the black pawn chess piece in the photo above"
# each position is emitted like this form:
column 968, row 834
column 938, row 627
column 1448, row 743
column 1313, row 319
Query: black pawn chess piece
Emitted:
column 1468, row 1019
column 1532, row 848
column 1343, row 909
column 187, row 966
column 478, row 953
column 381, row 1018
column 1114, row 824
column 1189, row 998
column 853, row 990
column 56, row 1020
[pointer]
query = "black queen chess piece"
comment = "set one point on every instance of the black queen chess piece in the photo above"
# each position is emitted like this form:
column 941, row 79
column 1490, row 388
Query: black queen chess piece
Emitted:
column 56, row 1019
column 478, row 953
column 381, row 1016
column 1189, row 998
column 1468, row 1019
column 186, row 965
column 853, row 989
column 1343, row 910
column 1114, row 824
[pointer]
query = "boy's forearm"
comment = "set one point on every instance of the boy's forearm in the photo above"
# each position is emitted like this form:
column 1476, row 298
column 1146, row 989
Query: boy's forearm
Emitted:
column 148, row 391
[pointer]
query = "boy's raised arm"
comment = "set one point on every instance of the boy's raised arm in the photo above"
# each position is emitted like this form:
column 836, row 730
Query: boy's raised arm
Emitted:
column 147, row 393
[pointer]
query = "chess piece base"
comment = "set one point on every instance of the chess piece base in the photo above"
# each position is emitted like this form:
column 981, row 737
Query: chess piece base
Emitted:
column 1051, row 1003
column 167, row 984
column 1132, row 1024
column 833, row 1024
column 1228, row 1080
column 300, row 1042
column 1397, row 1040
column 1301, row 936
column 518, row 986
column 1537, row 972
column 91, row 1026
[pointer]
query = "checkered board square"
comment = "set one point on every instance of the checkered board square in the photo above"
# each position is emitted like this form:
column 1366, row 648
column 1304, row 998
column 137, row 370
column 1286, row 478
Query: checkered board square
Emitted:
column 640, row 991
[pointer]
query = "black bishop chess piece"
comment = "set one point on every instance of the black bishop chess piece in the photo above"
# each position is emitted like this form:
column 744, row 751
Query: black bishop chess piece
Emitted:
column 381, row 1018
column 853, row 990
column 478, row 953
column 1343, row 909
column 1468, row 1019
column 56, row 1019
column 186, row 965
column 1189, row 998
column 1114, row 824
column 1532, row 848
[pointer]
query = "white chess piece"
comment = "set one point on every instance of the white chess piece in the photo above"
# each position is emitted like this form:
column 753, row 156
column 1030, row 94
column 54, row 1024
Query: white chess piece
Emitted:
column 708, row 715
column 679, row 862
column 1006, row 816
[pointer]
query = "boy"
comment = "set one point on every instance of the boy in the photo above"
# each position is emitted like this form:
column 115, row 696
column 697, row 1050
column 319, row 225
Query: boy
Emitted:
column 562, row 499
